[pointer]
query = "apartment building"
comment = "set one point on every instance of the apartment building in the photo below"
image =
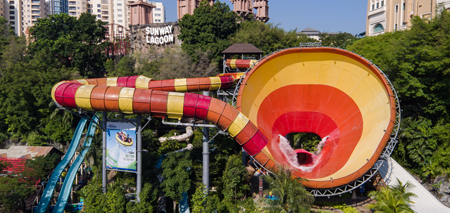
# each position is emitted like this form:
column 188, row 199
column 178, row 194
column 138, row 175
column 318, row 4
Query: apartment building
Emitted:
column 22, row 14
column 76, row 7
column 59, row 6
column 391, row 15
column 159, row 13
column 2, row 9
column 188, row 7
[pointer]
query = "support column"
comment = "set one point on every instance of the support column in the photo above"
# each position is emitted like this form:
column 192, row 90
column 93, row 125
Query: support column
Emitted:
column 139, row 158
column 105, row 117
column 206, row 153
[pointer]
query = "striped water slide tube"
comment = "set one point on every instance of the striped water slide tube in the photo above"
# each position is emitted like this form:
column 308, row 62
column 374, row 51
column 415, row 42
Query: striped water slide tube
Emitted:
column 126, row 95
column 241, row 64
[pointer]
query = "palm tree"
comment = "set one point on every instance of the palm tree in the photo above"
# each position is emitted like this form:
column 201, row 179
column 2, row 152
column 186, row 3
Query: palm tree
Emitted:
column 292, row 196
column 394, row 199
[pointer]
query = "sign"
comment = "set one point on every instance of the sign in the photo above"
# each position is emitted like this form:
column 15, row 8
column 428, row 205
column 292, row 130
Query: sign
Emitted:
column 120, row 146
column 310, row 44
column 159, row 35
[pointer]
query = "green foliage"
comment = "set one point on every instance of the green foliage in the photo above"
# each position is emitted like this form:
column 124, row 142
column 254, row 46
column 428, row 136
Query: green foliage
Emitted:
column 202, row 203
column 148, row 197
column 307, row 141
column 177, row 170
column 393, row 199
column 17, row 187
column 70, row 42
column 234, row 179
column 341, row 39
column 208, row 29
column 267, row 37
column 292, row 195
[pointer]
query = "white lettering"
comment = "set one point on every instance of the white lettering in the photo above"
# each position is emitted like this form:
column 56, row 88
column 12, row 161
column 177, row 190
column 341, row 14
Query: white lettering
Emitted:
column 171, row 38
column 170, row 28
column 147, row 30
column 161, row 31
column 147, row 39
column 159, row 35
column 152, row 40
column 166, row 39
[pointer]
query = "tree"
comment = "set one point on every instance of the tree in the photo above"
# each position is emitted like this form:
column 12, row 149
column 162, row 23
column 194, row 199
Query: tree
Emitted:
column 234, row 179
column 341, row 39
column 393, row 199
column 291, row 194
column 15, row 188
column 71, row 42
column 177, row 169
column 208, row 29
column 267, row 37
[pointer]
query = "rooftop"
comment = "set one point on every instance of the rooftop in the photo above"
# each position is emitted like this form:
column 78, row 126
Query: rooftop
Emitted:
column 242, row 48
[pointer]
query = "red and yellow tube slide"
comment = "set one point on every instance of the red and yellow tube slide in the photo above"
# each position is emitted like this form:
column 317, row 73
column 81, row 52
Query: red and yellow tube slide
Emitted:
column 126, row 95
column 241, row 64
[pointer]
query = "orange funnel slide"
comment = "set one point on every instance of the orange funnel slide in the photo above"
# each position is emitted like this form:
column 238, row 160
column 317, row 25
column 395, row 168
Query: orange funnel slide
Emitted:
column 333, row 93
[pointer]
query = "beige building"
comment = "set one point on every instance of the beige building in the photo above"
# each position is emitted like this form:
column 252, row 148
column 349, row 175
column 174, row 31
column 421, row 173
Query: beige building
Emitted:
column 22, row 14
column 391, row 15
column 76, row 7
column 2, row 9
column 188, row 7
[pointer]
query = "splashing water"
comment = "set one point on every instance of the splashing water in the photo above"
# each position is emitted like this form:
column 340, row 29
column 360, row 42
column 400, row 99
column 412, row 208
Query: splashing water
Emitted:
column 291, row 154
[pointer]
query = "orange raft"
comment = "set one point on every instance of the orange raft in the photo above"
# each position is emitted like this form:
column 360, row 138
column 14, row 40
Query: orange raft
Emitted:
column 120, row 138
column 330, row 92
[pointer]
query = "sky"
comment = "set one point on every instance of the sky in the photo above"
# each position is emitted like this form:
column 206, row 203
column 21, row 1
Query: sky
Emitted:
column 323, row 15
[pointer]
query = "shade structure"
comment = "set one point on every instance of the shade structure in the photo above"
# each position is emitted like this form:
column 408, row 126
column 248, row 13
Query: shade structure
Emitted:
column 330, row 92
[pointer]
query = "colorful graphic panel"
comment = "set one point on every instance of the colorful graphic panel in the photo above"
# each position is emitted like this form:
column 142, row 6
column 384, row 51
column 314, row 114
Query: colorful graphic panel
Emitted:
column 121, row 146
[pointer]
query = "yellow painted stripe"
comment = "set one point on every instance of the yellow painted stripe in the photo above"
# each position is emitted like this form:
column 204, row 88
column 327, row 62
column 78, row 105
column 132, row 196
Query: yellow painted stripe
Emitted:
column 82, row 81
column 126, row 100
column 238, row 124
column 233, row 63
column 215, row 83
column 180, row 85
column 83, row 97
column 253, row 62
column 112, row 82
column 175, row 105
column 54, row 89
column 142, row 82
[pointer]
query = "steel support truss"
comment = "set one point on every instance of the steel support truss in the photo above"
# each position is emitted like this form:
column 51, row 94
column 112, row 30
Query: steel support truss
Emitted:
column 388, row 149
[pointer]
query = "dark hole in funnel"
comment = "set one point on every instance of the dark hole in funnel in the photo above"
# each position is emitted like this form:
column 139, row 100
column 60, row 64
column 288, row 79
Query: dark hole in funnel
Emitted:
column 304, row 144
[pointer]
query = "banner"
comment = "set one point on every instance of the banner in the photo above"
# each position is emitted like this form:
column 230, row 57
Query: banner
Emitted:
column 120, row 146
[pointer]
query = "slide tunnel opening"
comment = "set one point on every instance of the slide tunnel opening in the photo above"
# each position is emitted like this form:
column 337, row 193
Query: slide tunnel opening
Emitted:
column 302, row 148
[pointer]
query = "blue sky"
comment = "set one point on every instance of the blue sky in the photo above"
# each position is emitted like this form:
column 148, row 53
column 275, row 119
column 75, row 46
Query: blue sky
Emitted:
column 323, row 15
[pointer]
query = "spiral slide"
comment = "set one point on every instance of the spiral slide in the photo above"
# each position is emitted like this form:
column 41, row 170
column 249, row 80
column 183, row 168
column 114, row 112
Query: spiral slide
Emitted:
column 333, row 93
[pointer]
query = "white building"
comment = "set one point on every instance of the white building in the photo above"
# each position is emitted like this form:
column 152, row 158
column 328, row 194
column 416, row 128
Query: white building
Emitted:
column 22, row 14
column 159, row 13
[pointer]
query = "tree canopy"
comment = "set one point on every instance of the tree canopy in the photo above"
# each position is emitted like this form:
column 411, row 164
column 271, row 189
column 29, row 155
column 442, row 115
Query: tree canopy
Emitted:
column 71, row 42
column 267, row 37
column 208, row 29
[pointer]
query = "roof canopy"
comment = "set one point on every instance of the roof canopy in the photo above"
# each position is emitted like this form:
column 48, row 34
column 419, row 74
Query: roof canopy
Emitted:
column 240, row 48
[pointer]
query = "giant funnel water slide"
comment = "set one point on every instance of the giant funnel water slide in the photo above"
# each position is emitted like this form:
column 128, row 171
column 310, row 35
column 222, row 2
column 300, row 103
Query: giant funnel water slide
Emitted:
column 425, row 201
column 50, row 187
column 67, row 186
column 333, row 93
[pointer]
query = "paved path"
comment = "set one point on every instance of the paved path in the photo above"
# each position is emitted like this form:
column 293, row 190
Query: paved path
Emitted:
column 425, row 202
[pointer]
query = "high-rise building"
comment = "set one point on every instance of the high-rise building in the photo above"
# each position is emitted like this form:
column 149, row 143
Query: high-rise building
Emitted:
column 245, row 7
column 22, row 14
column 59, row 6
column 76, row 7
column 159, row 13
column 391, row 15
column 2, row 9
column 188, row 7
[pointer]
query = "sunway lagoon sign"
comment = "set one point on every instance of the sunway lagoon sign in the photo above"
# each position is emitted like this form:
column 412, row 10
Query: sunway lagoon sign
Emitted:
column 159, row 35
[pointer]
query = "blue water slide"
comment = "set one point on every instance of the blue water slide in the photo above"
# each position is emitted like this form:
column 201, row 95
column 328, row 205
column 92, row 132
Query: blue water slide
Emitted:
column 50, row 187
column 67, row 186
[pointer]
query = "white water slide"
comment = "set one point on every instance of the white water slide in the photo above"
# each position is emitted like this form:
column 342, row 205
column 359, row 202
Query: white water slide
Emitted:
column 425, row 202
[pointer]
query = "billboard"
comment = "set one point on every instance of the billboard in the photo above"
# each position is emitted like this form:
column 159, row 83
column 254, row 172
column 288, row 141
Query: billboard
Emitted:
column 120, row 146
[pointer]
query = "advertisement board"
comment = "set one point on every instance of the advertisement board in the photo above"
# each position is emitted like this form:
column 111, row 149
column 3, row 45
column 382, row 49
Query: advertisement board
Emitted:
column 120, row 146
